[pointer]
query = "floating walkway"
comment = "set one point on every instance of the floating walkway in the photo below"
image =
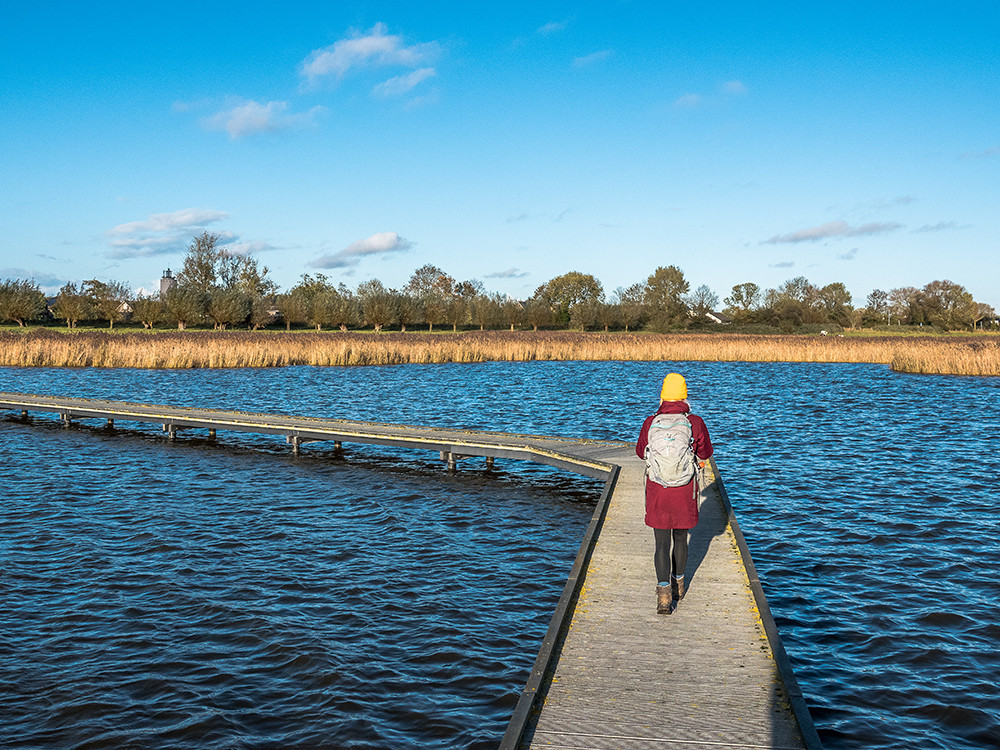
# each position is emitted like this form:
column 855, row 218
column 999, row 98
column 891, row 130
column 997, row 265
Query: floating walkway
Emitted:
column 611, row 673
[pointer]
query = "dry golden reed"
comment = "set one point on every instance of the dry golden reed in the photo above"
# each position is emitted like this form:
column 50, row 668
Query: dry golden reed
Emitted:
column 176, row 349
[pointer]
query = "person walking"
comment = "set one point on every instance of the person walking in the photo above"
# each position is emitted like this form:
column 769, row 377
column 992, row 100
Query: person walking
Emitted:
column 674, row 443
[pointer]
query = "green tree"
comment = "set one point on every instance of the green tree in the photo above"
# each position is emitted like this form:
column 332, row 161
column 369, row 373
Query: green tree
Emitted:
column 293, row 308
column 347, row 312
column 631, row 305
column 485, row 310
column 539, row 314
column 183, row 306
column 835, row 302
column 584, row 314
column 378, row 304
column 702, row 301
column 109, row 300
column 147, row 310
column 513, row 313
column 564, row 292
column 72, row 305
column 203, row 263
column 227, row 307
column 433, row 289
column 665, row 291
column 456, row 311
column 21, row 301
column 261, row 312
column 608, row 315
column 241, row 273
column 946, row 304
column 877, row 305
column 742, row 300
column 903, row 305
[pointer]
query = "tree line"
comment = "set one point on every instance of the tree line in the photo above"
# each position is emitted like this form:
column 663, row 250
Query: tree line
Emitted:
column 225, row 290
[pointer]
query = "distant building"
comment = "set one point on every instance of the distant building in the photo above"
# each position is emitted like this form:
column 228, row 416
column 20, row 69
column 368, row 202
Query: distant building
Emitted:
column 167, row 282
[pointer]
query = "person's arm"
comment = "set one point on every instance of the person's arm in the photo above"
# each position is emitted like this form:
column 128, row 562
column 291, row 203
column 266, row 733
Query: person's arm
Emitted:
column 702, row 442
column 640, row 446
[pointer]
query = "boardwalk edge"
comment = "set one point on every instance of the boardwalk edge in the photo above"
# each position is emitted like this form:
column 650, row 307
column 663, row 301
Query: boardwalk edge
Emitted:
column 521, row 725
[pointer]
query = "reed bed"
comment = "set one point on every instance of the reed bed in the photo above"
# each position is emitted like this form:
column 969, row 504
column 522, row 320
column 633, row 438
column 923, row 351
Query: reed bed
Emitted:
column 176, row 349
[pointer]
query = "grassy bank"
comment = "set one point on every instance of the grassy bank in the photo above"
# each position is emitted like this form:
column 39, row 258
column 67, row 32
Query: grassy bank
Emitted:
column 174, row 349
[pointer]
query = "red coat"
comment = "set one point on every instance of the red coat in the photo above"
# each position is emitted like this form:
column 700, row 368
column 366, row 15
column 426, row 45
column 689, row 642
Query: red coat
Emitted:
column 674, row 507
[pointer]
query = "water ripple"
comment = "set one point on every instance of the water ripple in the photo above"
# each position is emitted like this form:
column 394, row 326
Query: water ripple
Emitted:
column 227, row 590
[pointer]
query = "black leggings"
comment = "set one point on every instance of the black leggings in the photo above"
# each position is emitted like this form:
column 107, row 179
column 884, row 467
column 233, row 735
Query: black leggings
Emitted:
column 662, row 555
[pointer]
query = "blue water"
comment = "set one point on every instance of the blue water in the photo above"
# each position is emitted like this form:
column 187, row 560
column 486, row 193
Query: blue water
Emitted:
column 372, row 601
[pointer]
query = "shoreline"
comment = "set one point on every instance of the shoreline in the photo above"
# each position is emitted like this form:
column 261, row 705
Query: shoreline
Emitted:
column 929, row 355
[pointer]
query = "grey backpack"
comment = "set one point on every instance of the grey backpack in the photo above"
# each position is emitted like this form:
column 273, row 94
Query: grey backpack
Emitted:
column 670, row 459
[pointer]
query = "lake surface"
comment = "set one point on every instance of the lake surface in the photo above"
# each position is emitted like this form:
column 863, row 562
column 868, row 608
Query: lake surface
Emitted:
column 158, row 593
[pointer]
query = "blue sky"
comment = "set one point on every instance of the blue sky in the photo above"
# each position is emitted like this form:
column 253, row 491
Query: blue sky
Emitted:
column 856, row 142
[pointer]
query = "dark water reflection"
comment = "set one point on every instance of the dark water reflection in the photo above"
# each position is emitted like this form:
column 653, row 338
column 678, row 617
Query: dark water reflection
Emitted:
column 322, row 602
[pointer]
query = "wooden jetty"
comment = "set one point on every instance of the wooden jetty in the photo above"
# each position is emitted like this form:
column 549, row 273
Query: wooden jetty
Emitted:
column 611, row 673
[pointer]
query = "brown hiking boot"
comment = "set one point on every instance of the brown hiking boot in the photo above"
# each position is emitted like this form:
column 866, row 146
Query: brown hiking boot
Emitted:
column 677, row 584
column 664, row 602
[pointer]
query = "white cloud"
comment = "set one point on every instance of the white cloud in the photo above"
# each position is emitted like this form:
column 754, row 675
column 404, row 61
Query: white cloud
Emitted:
column 592, row 59
column 510, row 273
column 402, row 84
column 252, row 118
column 994, row 151
column 941, row 226
column 838, row 228
column 183, row 219
column 783, row 264
column 551, row 27
column 375, row 48
column 688, row 101
column 250, row 248
column 849, row 255
column 43, row 279
column 162, row 233
column 381, row 243
column 734, row 87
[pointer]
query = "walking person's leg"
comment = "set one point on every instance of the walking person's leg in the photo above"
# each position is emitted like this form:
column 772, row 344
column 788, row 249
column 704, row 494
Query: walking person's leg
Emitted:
column 661, row 559
column 680, row 559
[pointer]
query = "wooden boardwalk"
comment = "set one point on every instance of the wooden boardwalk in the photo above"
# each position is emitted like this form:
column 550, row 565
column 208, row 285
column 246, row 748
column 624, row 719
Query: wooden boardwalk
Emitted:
column 702, row 677
column 611, row 672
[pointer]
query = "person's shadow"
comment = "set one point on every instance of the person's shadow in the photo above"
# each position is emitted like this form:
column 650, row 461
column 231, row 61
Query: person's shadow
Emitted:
column 712, row 521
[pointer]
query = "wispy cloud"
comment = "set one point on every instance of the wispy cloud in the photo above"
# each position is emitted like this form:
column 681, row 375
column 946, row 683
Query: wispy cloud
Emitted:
column 254, row 118
column 510, row 273
column 694, row 99
column 783, row 264
column 250, row 248
column 382, row 243
column 375, row 48
column 689, row 101
column 593, row 58
column 162, row 233
column 833, row 229
column 552, row 27
column 941, row 226
column 993, row 151
column 43, row 279
column 848, row 255
column 405, row 83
